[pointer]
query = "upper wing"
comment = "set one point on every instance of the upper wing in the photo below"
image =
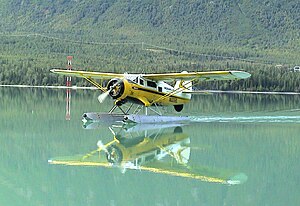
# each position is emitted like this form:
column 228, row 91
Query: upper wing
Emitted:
column 202, row 76
column 199, row 172
column 86, row 74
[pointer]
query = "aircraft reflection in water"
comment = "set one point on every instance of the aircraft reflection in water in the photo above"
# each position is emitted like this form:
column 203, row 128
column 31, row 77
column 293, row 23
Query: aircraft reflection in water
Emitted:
column 165, row 151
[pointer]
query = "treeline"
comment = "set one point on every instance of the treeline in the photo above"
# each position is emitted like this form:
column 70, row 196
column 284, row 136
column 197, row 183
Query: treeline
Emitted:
column 28, row 60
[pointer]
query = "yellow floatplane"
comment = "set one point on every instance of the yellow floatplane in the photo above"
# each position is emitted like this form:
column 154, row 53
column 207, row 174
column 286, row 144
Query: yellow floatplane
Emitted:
column 148, row 90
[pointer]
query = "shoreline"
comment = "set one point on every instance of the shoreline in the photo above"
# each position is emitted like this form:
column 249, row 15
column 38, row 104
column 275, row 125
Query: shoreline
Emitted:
column 246, row 92
column 194, row 92
column 50, row 87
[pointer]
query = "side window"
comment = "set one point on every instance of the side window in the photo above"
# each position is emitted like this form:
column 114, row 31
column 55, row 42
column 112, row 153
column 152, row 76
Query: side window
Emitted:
column 141, row 82
column 151, row 84
column 159, row 89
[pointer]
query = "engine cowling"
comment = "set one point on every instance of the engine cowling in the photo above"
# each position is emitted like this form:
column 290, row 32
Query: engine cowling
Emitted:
column 116, row 88
column 114, row 155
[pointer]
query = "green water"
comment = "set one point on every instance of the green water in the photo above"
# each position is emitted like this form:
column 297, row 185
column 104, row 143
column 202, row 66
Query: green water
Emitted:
column 252, row 138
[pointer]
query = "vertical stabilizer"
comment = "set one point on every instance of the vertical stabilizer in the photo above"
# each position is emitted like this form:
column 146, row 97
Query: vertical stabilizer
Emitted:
column 184, row 86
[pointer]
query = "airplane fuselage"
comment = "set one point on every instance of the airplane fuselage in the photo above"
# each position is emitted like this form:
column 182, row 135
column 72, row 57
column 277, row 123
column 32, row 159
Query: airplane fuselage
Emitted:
column 147, row 92
column 142, row 149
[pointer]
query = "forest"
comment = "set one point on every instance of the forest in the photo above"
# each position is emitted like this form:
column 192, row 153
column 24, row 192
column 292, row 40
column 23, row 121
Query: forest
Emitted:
column 260, row 37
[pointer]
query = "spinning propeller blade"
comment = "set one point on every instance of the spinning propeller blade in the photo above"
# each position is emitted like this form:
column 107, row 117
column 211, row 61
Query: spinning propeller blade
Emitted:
column 103, row 96
column 102, row 146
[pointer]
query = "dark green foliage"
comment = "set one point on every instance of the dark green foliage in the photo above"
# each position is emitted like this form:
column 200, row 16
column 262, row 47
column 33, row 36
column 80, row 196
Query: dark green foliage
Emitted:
column 152, row 36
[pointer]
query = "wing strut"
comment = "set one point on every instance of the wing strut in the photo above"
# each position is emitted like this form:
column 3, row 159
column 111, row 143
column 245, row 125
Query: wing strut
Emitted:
column 96, row 84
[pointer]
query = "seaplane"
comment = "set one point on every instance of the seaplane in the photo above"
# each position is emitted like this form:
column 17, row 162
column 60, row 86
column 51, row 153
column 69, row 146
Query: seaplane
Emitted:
column 164, row 151
column 147, row 90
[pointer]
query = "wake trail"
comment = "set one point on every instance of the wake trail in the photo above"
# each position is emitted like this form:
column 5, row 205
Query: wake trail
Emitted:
column 275, row 119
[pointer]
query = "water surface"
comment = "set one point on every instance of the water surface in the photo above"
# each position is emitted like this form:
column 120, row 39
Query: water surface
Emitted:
column 239, row 149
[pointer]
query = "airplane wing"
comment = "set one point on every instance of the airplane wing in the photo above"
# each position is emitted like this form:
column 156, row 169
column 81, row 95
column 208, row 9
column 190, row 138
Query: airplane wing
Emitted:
column 87, row 74
column 198, row 172
column 202, row 76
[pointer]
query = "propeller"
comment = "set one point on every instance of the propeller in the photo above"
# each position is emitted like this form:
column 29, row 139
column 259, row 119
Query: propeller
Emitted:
column 101, row 146
column 104, row 95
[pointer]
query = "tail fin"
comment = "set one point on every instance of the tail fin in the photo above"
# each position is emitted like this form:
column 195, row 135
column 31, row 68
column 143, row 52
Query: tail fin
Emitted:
column 186, row 88
column 184, row 85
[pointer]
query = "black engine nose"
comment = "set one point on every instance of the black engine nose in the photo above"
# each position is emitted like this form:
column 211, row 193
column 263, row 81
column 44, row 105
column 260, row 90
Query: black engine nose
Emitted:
column 116, row 88
column 114, row 155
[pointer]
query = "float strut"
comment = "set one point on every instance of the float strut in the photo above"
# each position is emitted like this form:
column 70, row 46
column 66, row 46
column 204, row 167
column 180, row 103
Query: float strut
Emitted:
column 122, row 110
column 112, row 109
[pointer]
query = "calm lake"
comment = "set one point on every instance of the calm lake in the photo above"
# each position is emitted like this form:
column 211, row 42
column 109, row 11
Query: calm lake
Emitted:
column 238, row 149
